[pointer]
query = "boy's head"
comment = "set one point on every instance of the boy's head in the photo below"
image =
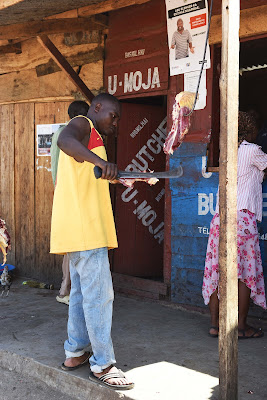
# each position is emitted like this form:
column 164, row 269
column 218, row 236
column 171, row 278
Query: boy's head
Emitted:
column 105, row 113
column 78, row 107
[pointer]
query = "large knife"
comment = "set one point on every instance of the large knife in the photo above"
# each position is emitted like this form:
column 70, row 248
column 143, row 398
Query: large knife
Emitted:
column 174, row 173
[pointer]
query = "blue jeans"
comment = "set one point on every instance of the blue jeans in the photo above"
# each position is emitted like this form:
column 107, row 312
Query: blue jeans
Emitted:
column 90, row 308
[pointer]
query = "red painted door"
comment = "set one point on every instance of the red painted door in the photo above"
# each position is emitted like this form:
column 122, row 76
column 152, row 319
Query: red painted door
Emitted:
column 139, row 211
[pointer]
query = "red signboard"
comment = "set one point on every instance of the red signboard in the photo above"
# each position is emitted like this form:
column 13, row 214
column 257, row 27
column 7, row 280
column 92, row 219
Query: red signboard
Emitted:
column 136, row 61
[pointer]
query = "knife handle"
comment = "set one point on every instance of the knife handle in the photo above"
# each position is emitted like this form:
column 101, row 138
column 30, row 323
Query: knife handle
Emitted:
column 98, row 172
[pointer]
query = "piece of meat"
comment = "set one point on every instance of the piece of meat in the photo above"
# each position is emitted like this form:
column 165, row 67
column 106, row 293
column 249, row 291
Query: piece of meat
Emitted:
column 5, row 243
column 183, row 104
column 130, row 182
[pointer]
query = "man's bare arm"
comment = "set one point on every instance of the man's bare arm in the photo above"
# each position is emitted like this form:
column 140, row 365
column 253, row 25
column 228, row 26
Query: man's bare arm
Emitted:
column 192, row 49
column 70, row 141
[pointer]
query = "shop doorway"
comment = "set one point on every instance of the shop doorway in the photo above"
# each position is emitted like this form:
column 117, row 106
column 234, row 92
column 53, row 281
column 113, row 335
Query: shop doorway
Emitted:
column 139, row 211
column 252, row 90
column 253, row 81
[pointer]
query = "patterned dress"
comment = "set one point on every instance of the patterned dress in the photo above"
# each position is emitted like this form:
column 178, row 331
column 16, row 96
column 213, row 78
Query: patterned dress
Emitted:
column 251, row 163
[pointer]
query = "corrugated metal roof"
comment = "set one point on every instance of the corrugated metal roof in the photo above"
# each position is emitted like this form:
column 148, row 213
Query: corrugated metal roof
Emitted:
column 253, row 53
column 252, row 68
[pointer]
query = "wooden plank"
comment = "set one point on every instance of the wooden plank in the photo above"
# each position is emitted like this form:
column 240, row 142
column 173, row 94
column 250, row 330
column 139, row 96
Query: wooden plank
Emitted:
column 43, row 100
column 61, row 114
column 147, row 285
column 25, row 85
column 77, row 60
column 47, row 267
column 217, row 5
column 11, row 48
column 35, row 28
column 131, row 292
column 24, row 189
column 44, row 114
column 7, row 200
column 101, row 7
column 252, row 23
column 65, row 66
column 66, row 14
column 31, row 56
column 84, row 37
column 213, row 169
column 228, row 284
column 8, row 3
column 106, row 6
column 37, row 10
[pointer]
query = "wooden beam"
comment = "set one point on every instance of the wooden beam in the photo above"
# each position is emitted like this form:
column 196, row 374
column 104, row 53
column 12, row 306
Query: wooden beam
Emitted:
column 108, row 5
column 228, row 282
column 65, row 66
column 98, row 8
column 52, row 26
column 91, row 56
column 25, row 86
column 11, row 48
column 252, row 23
column 76, row 55
column 8, row 3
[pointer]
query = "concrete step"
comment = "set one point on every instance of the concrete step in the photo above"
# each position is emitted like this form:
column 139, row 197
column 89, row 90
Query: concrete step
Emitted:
column 80, row 388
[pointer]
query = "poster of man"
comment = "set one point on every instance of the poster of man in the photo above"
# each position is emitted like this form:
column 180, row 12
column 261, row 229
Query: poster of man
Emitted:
column 187, row 29
column 182, row 41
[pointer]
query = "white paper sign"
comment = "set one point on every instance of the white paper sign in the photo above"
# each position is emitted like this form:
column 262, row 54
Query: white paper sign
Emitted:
column 187, row 22
column 190, row 85
column 44, row 135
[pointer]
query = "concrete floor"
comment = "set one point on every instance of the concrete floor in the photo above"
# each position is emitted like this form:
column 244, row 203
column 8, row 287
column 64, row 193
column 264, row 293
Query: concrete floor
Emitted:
column 165, row 350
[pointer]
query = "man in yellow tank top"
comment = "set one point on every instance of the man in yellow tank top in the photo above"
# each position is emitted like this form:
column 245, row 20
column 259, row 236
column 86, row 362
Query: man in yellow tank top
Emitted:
column 83, row 226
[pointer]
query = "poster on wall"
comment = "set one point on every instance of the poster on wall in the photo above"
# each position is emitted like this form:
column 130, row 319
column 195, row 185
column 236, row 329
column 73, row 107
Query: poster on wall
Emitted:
column 187, row 23
column 190, row 85
column 44, row 134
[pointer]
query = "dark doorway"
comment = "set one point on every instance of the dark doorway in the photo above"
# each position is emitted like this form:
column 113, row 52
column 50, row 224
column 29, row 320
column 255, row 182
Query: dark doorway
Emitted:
column 139, row 211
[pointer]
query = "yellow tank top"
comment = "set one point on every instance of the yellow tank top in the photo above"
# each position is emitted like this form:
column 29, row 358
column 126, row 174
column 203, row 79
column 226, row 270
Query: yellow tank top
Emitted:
column 82, row 217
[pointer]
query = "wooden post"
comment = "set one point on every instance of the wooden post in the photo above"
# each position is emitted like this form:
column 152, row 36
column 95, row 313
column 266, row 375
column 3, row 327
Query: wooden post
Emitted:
column 65, row 66
column 228, row 285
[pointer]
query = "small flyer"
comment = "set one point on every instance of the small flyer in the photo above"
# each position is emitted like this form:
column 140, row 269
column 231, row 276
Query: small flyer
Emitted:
column 190, row 85
column 44, row 134
column 187, row 23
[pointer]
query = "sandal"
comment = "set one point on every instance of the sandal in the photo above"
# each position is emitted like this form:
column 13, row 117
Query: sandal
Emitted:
column 65, row 368
column 252, row 336
column 103, row 378
column 214, row 334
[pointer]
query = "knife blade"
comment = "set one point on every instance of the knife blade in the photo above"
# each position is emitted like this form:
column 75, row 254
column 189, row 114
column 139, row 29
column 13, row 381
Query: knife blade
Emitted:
column 174, row 173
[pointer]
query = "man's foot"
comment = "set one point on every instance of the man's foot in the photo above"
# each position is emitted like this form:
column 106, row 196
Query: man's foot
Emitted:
column 249, row 332
column 112, row 377
column 63, row 299
column 73, row 363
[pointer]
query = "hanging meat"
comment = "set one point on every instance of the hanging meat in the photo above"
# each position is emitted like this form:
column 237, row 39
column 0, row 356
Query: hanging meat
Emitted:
column 4, row 240
column 183, row 104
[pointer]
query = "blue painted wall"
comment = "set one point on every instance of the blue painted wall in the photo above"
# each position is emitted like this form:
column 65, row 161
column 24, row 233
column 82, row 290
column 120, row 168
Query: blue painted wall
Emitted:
column 193, row 205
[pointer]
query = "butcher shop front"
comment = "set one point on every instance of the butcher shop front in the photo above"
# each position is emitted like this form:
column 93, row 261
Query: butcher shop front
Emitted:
column 137, row 72
column 122, row 47
column 163, row 230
